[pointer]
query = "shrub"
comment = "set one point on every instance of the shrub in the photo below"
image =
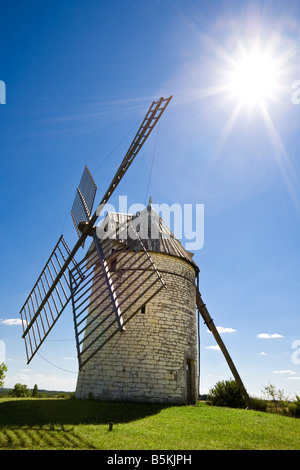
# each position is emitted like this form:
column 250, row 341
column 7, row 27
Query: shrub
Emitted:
column 226, row 393
column 294, row 408
column 259, row 404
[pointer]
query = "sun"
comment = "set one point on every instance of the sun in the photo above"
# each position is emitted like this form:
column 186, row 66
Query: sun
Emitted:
column 248, row 79
column 253, row 77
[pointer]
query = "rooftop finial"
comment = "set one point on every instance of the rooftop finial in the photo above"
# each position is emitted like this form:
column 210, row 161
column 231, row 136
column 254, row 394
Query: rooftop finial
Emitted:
column 149, row 205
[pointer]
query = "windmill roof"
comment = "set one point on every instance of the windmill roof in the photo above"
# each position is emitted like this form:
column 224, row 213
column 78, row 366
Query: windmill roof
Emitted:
column 155, row 234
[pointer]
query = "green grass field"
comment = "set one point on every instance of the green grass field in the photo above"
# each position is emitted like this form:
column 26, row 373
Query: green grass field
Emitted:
column 66, row 424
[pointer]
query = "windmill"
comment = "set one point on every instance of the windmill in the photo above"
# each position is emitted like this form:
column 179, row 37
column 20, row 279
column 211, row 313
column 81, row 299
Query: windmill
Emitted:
column 115, row 281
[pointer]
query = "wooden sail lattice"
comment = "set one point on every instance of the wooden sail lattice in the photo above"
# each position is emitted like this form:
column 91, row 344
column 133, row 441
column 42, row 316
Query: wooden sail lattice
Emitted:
column 84, row 200
column 42, row 308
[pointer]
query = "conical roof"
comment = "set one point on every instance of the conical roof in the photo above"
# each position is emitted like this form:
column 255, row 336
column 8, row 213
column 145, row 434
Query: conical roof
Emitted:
column 155, row 234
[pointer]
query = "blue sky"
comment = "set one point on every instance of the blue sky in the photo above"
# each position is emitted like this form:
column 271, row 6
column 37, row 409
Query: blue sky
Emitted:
column 80, row 76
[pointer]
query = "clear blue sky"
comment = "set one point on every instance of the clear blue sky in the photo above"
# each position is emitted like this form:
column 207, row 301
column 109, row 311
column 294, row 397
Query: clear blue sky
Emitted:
column 80, row 75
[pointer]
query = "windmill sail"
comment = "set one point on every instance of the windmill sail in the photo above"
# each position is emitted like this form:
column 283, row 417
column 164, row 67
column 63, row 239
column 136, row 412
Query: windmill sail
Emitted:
column 154, row 113
column 42, row 307
column 84, row 200
column 51, row 293
column 101, row 312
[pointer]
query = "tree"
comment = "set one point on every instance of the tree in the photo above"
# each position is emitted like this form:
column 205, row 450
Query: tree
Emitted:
column 35, row 391
column 277, row 396
column 20, row 390
column 3, row 369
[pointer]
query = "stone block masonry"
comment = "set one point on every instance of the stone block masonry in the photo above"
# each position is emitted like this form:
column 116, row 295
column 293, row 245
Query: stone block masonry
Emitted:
column 155, row 358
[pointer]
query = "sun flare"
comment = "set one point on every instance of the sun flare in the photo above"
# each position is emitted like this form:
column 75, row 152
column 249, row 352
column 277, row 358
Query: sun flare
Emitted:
column 248, row 79
column 253, row 77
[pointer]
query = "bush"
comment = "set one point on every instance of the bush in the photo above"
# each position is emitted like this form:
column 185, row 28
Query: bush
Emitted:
column 259, row 404
column 226, row 393
column 294, row 408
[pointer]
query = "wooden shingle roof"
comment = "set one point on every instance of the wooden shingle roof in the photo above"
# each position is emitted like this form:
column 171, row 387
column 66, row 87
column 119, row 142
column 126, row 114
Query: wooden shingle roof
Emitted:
column 155, row 234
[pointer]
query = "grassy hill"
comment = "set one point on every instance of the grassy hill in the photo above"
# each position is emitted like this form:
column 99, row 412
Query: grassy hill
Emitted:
column 49, row 423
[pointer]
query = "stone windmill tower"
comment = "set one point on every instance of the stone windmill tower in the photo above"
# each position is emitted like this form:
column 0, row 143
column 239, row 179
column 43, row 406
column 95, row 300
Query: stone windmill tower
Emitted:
column 155, row 359
column 134, row 271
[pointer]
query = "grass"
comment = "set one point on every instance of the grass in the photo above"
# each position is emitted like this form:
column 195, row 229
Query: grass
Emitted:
column 65, row 424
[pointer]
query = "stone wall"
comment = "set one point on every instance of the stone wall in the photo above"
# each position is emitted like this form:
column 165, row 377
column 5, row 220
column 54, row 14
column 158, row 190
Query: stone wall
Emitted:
column 149, row 360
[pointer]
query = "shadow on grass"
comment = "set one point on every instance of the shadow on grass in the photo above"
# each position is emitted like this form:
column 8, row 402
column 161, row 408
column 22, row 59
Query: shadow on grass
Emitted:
column 40, row 412
column 42, row 437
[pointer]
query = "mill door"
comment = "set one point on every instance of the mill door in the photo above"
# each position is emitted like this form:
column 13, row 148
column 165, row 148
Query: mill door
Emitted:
column 189, row 381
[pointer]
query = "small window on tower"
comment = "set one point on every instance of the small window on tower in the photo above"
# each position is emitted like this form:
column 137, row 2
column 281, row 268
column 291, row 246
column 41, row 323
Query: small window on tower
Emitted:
column 143, row 309
column 113, row 264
